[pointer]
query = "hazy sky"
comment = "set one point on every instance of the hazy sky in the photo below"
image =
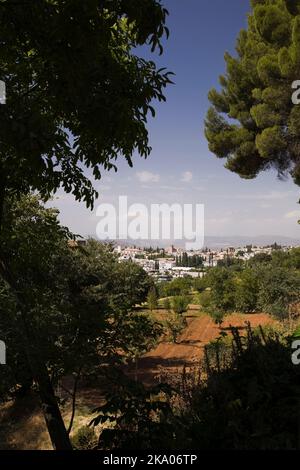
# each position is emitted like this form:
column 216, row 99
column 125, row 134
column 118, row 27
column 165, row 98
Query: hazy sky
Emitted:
column 181, row 168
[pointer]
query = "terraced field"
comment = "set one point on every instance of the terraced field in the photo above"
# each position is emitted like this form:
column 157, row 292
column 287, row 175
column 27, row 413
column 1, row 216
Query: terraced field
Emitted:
column 169, row 358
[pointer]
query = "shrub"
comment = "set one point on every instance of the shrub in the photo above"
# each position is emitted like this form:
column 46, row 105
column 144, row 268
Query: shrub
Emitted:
column 205, row 299
column 176, row 325
column 167, row 304
column 142, row 417
column 278, row 289
column 217, row 316
column 250, row 396
column 85, row 439
column 180, row 304
column 152, row 299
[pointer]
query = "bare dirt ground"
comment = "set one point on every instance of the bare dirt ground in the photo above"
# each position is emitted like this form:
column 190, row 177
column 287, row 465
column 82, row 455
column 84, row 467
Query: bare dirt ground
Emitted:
column 168, row 358
column 22, row 425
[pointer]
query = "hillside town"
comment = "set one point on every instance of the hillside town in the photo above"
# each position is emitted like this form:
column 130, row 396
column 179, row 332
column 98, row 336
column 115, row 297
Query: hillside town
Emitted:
column 166, row 264
column 169, row 263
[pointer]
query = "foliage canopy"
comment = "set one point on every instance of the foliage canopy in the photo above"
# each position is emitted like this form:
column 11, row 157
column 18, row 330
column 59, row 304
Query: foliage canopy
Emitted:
column 78, row 96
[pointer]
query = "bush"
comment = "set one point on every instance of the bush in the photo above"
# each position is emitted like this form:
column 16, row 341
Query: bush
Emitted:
column 278, row 289
column 180, row 304
column 136, row 417
column 205, row 299
column 181, row 286
column 246, row 291
column 222, row 284
column 217, row 316
column 152, row 299
column 85, row 439
column 250, row 396
column 167, row 304
column 176, row 325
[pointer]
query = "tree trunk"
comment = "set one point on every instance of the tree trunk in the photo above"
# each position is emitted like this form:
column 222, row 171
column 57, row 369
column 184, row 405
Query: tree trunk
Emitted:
column 54, row 421
column 76, row 380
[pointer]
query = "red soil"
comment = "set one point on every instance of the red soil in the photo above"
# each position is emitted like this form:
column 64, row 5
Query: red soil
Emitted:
column 169, row 358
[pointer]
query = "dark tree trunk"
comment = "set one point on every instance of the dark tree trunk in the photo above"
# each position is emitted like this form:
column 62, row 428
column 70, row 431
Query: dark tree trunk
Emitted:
column 73, row 395
column 55, row 424
column 54, row 421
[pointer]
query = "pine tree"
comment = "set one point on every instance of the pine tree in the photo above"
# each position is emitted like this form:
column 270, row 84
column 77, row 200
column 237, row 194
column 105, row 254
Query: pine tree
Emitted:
column 262, row 129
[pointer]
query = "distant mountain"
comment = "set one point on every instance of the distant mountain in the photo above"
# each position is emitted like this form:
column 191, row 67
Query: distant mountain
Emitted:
column 218, row 242
column 260, row 240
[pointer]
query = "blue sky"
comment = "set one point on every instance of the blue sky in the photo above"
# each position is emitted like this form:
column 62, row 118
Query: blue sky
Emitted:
column 181, row 168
